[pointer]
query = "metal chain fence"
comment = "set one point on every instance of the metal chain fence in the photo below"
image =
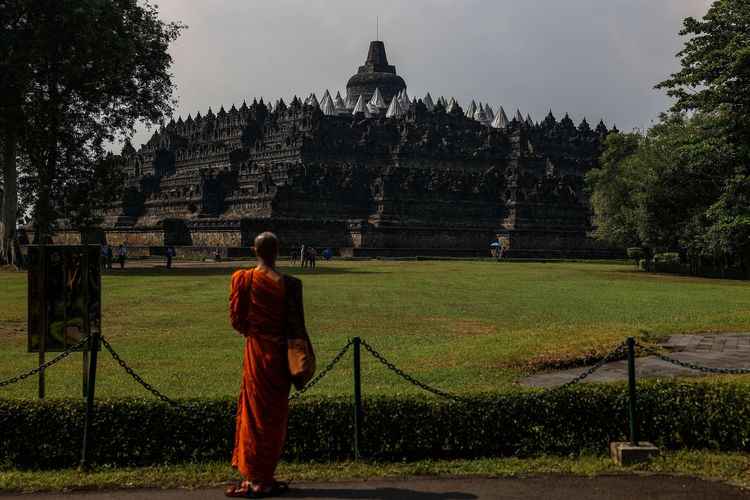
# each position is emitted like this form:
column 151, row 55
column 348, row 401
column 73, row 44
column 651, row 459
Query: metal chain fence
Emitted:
column 615, row 353
column 323, row 373
column 152, row 389
column 503, row 401
column 172, row 402
column 693, row 366
column 46, row 365
column 629, row 347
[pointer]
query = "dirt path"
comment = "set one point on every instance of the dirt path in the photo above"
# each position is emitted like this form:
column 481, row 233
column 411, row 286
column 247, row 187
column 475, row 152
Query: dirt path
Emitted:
column 547, row 486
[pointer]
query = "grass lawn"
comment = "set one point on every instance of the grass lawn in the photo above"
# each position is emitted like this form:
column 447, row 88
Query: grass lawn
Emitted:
column 458, row 325
column 733, row 467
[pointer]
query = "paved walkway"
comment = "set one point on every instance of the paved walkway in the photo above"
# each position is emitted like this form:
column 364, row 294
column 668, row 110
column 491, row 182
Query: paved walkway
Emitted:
column 720, row 350
column 551, row 486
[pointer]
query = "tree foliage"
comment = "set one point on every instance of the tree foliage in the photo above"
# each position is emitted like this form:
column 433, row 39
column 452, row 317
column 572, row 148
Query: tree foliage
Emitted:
column 684, row 185
column 78, row 74
column 665, row 189
column 610, row 186
column 715, row 64
column 715, row 80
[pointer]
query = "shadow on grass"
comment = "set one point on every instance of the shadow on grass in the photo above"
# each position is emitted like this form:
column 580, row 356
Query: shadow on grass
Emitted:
column 641, row 274
column 296, row 271
column 224, row 271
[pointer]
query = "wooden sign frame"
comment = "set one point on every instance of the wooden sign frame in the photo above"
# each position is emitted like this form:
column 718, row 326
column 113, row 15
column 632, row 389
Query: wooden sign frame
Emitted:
column 64, row 296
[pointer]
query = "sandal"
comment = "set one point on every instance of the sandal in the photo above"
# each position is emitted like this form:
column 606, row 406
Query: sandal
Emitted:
column 239, row 490
column 249, row 489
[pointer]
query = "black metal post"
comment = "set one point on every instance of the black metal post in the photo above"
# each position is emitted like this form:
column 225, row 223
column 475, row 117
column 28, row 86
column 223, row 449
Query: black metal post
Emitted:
column 87, row 426
column 631, row 392
column 85, row 374
column 357, row 399
column 86, row 319
column 43, row 307
column 41, row 373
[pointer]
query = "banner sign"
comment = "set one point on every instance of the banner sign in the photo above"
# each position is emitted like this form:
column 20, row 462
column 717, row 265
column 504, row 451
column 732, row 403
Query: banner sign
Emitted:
column 64, row 295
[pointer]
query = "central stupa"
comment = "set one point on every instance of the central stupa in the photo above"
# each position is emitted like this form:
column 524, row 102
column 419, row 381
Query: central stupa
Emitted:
column 376, row 73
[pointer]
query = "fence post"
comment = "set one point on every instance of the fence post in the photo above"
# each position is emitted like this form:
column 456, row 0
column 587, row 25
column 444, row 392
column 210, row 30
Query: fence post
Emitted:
column 631, row 392
column 41, row 294
column 357, row 399
column 94, row 347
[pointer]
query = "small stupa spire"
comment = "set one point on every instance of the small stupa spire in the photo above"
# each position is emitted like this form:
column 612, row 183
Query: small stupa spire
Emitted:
column 395, row 109
column 377, row 100
column 360, row 107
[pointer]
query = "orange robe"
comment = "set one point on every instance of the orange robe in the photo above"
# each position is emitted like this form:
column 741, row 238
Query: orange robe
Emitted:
column 263, row 406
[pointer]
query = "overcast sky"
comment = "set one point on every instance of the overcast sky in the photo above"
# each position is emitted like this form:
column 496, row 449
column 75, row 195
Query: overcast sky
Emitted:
column 592, row 58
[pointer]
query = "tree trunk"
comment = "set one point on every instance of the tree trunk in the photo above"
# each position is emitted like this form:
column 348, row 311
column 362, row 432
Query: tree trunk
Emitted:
column 44, row 214
column 10, row 250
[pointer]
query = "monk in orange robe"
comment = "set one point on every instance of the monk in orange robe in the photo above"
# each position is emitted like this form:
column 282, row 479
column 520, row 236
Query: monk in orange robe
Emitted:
column 256, row 309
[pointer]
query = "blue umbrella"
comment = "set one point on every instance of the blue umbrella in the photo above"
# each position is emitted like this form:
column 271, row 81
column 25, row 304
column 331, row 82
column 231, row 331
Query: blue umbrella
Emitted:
column 494, row 244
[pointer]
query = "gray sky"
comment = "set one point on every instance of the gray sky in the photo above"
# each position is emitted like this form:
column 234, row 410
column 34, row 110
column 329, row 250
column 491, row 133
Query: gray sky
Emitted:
column 592, row 58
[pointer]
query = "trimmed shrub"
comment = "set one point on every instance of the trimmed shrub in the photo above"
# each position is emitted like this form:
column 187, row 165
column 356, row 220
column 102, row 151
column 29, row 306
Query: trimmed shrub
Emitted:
column 581, row 419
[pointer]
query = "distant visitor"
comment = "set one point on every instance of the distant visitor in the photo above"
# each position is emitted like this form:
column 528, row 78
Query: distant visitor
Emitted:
column 122, row 253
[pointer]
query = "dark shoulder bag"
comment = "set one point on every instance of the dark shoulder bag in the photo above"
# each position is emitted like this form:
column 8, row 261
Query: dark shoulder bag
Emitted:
column 300, row 354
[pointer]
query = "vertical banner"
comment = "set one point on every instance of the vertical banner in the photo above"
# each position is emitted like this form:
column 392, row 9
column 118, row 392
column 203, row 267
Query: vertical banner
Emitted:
column 64, row 295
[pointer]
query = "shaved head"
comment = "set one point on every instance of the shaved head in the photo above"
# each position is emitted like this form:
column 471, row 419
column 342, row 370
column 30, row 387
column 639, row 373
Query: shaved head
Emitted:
column 266, row 246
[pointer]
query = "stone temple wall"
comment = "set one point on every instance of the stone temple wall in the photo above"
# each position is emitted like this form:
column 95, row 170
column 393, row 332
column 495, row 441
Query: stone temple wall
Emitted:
column 427, row 180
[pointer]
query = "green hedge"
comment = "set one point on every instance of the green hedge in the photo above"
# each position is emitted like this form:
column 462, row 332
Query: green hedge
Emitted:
column 583, row 419
column 705, row 270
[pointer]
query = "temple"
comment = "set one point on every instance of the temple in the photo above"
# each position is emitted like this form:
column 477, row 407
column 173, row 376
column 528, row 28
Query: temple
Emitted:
column 373, row 172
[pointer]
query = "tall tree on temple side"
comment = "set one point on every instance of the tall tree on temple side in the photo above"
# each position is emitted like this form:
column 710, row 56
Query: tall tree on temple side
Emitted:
column 76, row 76
column 714, row 80
column 684, row 185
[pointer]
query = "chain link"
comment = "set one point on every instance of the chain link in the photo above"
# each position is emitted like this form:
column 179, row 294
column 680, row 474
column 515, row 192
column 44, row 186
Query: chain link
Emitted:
column 323, row 373
column 616, row 352
column 46, row 365
column 172, row 402
column 503, row 401
column 693, row 366
column 613, row 354
column 153, row 390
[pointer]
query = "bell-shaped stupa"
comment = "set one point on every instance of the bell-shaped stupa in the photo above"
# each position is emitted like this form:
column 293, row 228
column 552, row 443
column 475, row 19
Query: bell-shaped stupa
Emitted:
column 376, row 73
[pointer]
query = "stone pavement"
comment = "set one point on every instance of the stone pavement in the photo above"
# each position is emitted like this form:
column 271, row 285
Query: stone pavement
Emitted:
column 715, row 350
column 541, row 486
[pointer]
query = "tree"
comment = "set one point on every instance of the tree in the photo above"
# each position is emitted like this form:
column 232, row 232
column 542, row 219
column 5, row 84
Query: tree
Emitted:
column 81, row 73
column 14, row 73
column 611, row 187
column 681, row 166
column 715, row 80
column 97, row 181
column 727, row 232
column 685, row 186
column 655, row 190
